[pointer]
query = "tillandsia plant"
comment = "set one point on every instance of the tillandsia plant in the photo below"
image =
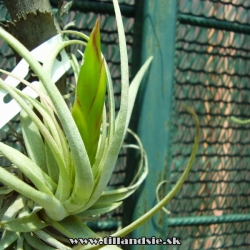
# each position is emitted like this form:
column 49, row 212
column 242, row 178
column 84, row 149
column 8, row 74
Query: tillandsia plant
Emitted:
column 49, row 193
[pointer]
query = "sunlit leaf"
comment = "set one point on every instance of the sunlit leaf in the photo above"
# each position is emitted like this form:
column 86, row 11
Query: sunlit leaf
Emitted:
column 72, row 227
column 28, row 223
column 8, row 238
column 36, row 243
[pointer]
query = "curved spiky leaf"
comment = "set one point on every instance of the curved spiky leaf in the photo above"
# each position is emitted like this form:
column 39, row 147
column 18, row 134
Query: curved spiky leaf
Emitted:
column 5, row 190
column 8, row 238
column 18, row 96
column 46, row 201
column 36, row 243
column 71, row 227
column 26, row 245
column 100, row 209
column 122, row 193
column 28, row 223
column 134, row 86
column 40, row 179
column 126, row 230
column 14, row 208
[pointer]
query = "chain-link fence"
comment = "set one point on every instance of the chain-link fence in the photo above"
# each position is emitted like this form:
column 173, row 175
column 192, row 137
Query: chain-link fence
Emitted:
column 212, row 76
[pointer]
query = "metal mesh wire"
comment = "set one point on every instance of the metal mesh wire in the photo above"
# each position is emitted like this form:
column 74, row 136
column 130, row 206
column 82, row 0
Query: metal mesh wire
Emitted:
column 212, row 75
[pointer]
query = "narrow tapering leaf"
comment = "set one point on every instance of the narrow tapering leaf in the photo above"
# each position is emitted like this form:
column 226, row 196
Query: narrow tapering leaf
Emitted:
column 27, row 223
column 40, row 179
column 46, row 201
column 33, row 141
column 8, row 238
column 50, row 240
column 71, row 227
column 90, row 94
column 14, row 208
column 36, row 242
column 100, row 209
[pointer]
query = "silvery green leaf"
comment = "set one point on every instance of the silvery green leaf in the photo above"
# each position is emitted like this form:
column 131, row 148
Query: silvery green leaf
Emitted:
column 8, row 238
column 51, row 240
column 20, row 241
column 5, row 190
column 52, row 166
column 28, row 223
column 33, row 141
column 43, row 199
column 40, row 179
column 68, row 25
column 36, row 243
column 101, row 208
column 133, row 88
column 73, row 227
column 14, row 208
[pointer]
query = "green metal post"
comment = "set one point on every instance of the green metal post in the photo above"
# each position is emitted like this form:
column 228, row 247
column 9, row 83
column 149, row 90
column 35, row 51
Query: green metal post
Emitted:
column 154, row 110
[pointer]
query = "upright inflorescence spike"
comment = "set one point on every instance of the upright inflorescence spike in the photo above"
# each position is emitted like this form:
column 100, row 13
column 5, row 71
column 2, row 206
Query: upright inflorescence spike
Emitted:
column 90, row 94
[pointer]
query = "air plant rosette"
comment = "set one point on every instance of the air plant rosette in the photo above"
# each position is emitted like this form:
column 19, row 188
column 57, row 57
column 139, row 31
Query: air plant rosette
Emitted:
column 49, row 193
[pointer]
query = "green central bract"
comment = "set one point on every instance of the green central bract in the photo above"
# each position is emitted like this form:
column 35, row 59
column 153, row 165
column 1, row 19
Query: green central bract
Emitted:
column 90, row 94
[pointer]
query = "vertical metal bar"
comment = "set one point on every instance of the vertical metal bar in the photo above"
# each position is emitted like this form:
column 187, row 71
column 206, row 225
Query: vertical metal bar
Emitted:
column 154, row 110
